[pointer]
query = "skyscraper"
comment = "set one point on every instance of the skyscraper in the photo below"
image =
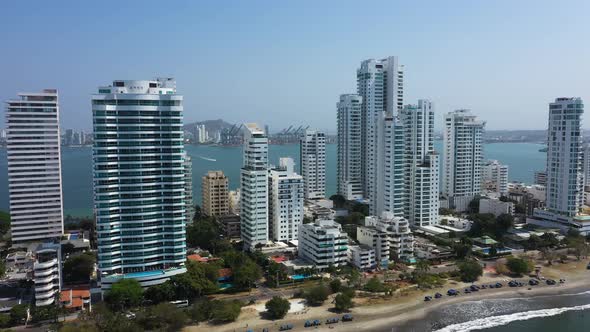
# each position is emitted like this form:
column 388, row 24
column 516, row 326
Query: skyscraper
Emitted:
column 565, row 177
column 313, row 163
column 350, row 151
column 34, row 167
column 286, row 196
column 421, row 164
column 495, row 177
column 188, row 188
column 390, row 185
column 254, row 187
column 139, row 181
column 215, row 188
column 380, row 84
column 463, row 158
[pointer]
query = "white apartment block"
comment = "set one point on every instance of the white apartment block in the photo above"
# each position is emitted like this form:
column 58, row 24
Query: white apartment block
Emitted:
column 421, row 164
column 350, row 150
column 234, row 198
column 254, row 187
column 47, row 273
column 323, row 243
column 463, row 158
column 586, row 165
column 202, row 134
column 139, row 181
column 188, row 188
column 389, row 235
column 495, row 177
column 380, row 84
column 362, row 257
column 495, row 206
column 313, row 163
column 286, row 197
column 34, row 167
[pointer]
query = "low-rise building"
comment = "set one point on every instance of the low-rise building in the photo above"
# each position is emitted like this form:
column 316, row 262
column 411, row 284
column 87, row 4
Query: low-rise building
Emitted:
column 47, row 273
column 362, row 257
column 495, row 207
column 230, row 226
column 76, row 299
column 390, row 236
column 323, row 243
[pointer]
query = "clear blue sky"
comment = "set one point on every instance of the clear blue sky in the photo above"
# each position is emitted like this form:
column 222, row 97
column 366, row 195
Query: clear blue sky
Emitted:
column 286, row 62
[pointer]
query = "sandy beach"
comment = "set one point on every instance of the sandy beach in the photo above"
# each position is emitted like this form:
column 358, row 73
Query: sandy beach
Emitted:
column 376, row 314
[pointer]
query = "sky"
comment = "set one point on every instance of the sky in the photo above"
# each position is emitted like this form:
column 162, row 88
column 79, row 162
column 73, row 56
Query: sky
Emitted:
column 286, row 62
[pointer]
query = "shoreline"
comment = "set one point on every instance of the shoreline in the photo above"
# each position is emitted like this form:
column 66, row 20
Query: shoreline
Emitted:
column 394, row 313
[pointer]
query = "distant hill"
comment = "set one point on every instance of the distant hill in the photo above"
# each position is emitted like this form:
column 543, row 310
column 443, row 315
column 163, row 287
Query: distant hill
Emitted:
column 210, row 125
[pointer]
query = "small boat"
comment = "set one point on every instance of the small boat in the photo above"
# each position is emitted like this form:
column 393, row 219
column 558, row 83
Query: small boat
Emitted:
column 208, row 159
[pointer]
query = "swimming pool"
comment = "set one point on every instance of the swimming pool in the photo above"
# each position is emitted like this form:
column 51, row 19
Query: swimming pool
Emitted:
column 299, row 277
column 143, row 274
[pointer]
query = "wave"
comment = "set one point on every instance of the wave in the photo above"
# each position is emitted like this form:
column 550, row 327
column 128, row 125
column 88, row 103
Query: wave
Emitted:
column 493, row 321
column 208, row 159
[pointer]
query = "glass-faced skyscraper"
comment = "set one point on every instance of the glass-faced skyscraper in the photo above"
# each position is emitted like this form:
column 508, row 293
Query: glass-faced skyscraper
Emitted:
column 139, row 181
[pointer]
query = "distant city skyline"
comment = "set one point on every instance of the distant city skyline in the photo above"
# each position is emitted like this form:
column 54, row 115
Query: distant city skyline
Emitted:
column 250, row 62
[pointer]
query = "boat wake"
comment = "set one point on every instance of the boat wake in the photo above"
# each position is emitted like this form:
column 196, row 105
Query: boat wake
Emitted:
column 208, row 159
column 489, row 322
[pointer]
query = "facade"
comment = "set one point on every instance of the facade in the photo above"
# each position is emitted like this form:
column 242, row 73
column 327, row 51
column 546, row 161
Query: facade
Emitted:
column 380, row 84
column 215, row 187
column 586, row 165
column 421, row 164
column 201, row 133
column 362, row 257
column 390, row 236
column 286, row 196
column 495, row 177
column 34, row 167
column 254, row 187
column 390, row 182
column 495, row 207
column 230, row 226
column 313, row 163
column 463, row 158
column 47, row 273
column 234, row 201
column 323, row 244
column 188, row 188
column 350, row 151
column 541, row 177
column 139, row 181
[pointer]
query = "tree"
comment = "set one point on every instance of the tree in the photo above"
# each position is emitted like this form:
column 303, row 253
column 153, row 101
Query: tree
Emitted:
column 473, row 206
column 79, row 268
column 519, row 266
column 161, row 293
column 548, row 255
column 246, row 273
column 445, row 211
column 225, row 311
column 275, row 273
column 470, row 270
column 200, row 311
column 423, row 266
column 4, row 222
column 18, row 314
column 338, row 200
column 505, row 222
column 316, row 295
column 4, row 320
column 501, row 268
column 204, row 234
column 124, row 294
column 342, row 302
column 277, row 307
column 354, row 278
column 162, row 317
column 335, row 285
column 462, row 250
column 374, row 285
column 2, row 268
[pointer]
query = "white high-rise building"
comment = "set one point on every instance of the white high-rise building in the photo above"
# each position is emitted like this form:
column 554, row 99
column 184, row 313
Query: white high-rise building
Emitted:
column 47, row 273
column 463, row 158
column 350, row 151
column 323, row 244
column 254, row 187
column 495, row 177
column 380, row 84
column 565, row 176
column 390, row 177
column 585, row 166
column 313, row 163
column 188, row 186
column 139, row 181
column 285, row 201
column 389, row 235
column 421, row 164
column 34, row 167
column 202, row 135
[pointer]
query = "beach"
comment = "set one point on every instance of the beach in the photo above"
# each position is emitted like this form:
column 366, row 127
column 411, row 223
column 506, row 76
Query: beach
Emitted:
column 411, row 313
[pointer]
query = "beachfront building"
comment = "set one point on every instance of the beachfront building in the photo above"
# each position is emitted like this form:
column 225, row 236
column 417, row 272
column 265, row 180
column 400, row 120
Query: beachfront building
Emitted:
column 380, row 84
column 350, row 151
column 421, row 164
column 139, row 181
column 495, row 206
column 362, row 257
column 495, row 177
column 215, row 194
column 390, row 168
column 254, row 187
column 47, row 273
column 541, row 177
column 188, row 188
column 463, row 158
column 323, row 243
column 565, row 169
column 390, row 236
column 313, row 163
column 34, row 167
column 286, row 196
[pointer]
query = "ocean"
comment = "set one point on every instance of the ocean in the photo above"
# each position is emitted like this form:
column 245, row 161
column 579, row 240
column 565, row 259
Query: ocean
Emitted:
column 565, row 312
column 522, row 158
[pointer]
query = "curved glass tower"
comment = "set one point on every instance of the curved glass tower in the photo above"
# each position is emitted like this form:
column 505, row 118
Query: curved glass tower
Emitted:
column 139, row 184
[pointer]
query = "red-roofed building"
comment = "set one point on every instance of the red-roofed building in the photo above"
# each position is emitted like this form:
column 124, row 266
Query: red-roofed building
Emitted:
column 278, row 259
column 201, row 259
column 76, row 299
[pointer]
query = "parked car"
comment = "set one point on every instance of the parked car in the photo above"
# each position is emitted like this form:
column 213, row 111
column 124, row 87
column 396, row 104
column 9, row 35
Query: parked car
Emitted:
column 347, row 318
column 427, row 298
column 332, row 320
column 452, row 292
column 438, row 295
column 283, row 327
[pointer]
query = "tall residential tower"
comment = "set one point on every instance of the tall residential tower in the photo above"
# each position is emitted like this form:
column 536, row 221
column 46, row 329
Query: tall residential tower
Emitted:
column 139, row 181
column 350, row 151
column 313, row 163
column 286, row 196
column 34, row 167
